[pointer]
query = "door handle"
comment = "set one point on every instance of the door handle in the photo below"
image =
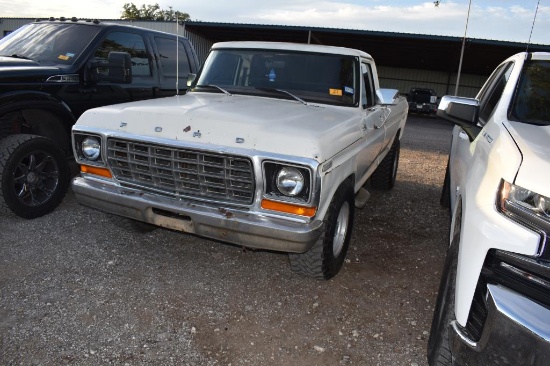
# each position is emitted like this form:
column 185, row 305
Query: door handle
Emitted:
column 383, row 117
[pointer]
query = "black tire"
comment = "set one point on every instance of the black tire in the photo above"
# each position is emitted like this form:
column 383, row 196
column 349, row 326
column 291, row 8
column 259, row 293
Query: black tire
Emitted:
column 439, row 347
column 324, row 260
column 445, row 199
column 385, row 175
column 34, row 175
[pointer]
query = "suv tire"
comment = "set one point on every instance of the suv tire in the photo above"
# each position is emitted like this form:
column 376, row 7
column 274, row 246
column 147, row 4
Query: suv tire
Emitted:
column 326, row 256
column 35, row 175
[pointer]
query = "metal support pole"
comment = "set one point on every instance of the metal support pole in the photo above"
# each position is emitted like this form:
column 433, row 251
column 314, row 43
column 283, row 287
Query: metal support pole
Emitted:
column 462, row 50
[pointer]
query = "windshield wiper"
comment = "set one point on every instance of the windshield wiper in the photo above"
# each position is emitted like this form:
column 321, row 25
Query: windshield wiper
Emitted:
column 217, row 87
column 283, row 92
column 16, row 55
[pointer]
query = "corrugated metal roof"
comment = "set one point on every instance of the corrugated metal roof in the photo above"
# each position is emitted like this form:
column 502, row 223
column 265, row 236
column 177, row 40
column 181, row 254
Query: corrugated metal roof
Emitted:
column 416, row 51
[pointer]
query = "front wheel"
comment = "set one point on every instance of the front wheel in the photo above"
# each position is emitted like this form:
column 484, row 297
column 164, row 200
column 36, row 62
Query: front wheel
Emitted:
column 439, row 348
column 34, row 175
column 326, row 257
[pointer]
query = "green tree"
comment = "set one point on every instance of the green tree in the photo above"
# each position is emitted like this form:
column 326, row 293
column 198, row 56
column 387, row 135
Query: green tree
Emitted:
column 151, row 12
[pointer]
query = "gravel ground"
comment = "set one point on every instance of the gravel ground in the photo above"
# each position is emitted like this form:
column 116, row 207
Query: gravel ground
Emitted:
column 75, row 288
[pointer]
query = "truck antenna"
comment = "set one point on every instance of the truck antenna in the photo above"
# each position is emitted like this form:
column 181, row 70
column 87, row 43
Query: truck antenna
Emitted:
column 177, row 55
column 532, row 26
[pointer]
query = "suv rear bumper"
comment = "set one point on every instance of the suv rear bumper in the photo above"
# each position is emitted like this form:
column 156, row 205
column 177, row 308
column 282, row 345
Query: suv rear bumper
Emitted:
column 235, row 226
column 516, row 332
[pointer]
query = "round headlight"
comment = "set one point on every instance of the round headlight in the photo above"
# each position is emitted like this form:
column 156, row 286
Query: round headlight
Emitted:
column 290, row 181
column 91, row 148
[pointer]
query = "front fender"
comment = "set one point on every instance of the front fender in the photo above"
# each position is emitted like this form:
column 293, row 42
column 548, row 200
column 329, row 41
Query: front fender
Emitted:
column 495, row 157
column 13, row 100
column 24, row 100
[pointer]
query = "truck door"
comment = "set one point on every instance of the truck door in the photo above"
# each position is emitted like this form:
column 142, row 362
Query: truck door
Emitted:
column 371, row 124
column 143, row 78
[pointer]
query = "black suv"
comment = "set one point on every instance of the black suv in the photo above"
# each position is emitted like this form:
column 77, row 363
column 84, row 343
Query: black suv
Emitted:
column 51, row 71
column 422, row 100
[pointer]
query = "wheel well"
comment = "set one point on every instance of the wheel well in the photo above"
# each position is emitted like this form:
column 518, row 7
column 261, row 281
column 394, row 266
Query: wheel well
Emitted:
column 457, row 218
column 38, row 121
column 350, row 182
column 397, row 135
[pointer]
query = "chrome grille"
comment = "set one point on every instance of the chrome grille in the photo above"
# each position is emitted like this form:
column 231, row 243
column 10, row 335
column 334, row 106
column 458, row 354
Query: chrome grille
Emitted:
column 182, row 172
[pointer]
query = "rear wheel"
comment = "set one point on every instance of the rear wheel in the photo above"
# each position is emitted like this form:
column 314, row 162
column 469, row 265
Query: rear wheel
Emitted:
column 385, row 175
column 34, row 175
column 325, row 258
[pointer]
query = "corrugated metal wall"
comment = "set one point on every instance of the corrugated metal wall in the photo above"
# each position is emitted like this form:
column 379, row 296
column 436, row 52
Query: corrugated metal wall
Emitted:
column 441, row 82
column 8, row 25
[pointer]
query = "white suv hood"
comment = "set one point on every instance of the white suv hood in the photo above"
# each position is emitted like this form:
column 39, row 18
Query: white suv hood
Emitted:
column 534, row 144
column 265, row 124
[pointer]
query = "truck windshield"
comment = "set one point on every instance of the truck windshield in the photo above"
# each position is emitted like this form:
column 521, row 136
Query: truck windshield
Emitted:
column 302, row 76
column 530, row 104
column 48, row 44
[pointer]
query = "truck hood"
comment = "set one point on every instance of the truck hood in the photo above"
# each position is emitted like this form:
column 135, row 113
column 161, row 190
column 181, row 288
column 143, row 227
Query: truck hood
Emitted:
column 19, row 70
column 270, row 125
column 15, row 61
column 534, row 143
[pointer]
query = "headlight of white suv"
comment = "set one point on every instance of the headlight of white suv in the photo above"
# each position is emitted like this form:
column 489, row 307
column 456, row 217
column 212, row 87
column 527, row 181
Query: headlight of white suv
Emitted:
column 528, row 208
column 514, row 198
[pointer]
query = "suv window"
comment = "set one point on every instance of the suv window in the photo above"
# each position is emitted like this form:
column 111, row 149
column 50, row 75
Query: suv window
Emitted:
column 490, row 96
column 168, row 58
column 530, row 102
column 131, row 43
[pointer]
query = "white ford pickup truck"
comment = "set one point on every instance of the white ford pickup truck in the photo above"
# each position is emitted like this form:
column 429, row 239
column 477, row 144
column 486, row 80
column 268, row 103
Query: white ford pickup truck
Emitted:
column 271, row 148
column 493, row 306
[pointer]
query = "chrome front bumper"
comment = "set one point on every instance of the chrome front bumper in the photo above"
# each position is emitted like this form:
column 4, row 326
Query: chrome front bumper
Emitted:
column 221, row 223
column 516, row 332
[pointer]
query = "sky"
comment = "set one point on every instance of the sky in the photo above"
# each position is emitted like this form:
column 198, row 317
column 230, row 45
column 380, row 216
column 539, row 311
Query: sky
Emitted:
column 504, row 20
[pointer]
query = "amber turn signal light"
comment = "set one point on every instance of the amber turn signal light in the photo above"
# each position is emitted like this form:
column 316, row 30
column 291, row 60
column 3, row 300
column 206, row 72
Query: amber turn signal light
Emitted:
column 95, row 170
column 289, row 208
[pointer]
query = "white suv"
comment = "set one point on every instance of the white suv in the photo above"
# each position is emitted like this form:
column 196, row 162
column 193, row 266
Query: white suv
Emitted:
column 493, row 305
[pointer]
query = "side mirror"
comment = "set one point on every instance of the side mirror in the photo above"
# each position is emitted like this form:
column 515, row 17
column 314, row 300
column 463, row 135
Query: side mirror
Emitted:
column 387, row 96
column 119, row 66
column 463, row 112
